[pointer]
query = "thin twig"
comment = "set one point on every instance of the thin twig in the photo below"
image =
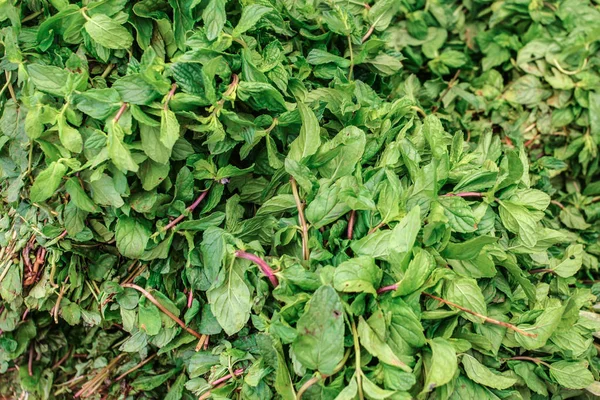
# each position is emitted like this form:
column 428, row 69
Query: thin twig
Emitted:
column 303, row 225
column 225, row 378
column 485, row 318
column 11, row 90
column 445, row 92
column 30, row 362
column 62, row 360
column 389, row 288
column 558, row 204
column 120, row 112
column 264, row 267
column 189, row 210
column 532, row 359
column 464, row 194
column 136, row 367
column 31, row 16
column 163, row 309
column 350, row 230
column 315, row 379
column 61, row 293
column 170, row 96
column 306, row 386
column 351, row 58
column 541, row 271
column 376, row 227
column 107, row 71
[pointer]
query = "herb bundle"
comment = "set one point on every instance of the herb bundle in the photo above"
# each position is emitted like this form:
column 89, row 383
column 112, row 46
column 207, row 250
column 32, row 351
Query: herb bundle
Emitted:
column 298, row 200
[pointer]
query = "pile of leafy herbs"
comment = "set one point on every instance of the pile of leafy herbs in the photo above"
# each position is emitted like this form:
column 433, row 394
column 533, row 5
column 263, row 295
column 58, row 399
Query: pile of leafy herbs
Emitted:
column 297, row 199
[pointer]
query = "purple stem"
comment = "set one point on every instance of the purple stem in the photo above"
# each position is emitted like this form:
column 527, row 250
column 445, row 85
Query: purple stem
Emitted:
column 387, row 288
column 237, row 372
column 264, row 267
column 191, row 208
column 464, row 194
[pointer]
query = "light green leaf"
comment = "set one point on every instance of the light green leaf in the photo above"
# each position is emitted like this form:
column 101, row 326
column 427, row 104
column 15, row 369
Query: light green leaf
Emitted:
column 309, row 140
column 378, row 347
column 460, row 216
column 357, row 275
column 320, row 341
column 572, row 374
column 483, row 375
column 108, row 33
column 251, row 14
column 442, row 365
column 131, row 237
column 79, row 197
column 149, row 319
column 214, row 18
column 47, row 182
column 417, row 273
column 466, row 293
column 169, row 128
column 230, row 301
column 117, row 151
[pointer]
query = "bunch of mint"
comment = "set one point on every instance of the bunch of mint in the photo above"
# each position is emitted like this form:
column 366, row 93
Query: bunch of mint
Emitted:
column 299, row 199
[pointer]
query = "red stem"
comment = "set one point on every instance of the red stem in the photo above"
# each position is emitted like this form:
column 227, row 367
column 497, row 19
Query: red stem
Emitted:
column 264, row 267
column 120, row 112
column 389, row 288
column 558, row 204
column 30, row 363
column 351, row 224
column 464, row 194
column 63, row 234
column 237, row 372
column 190, row 299
column 191, row 208
column 170, row 96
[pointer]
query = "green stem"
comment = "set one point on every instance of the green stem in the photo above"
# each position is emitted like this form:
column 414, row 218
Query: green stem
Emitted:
column 358, row 372
column 351, row 58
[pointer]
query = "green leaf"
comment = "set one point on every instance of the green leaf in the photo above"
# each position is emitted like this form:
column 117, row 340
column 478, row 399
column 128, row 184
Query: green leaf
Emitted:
column 230, row 301
column 309, row 140
column 468, row 249
column 134, row 89
column 108, row 33
column 417, row 273
column 520, row 220
column 214, row 18
column 69, row 136
column 483, row 375
column 261, row 96
column 79, row 196
column 542, row 328
column 176, row 390
column 357, row 275
column 251, row 14
column 466, row 293
column 47, row 182
column 572, row 374
column 118, row 151
column 169, row 129
column 442, row 365
column 377, row 346
column 460, row 216
column 131, row 236
column 571, row 262
column 149, row 319
column 320, row 342
column 49, row 79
